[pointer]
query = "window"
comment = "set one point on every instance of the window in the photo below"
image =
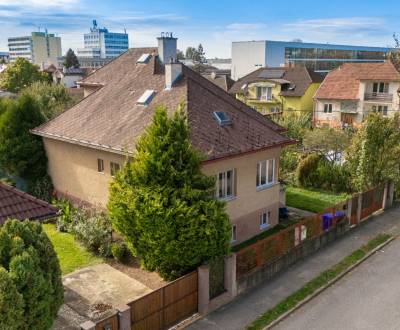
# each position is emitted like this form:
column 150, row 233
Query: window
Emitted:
column 222, row 118
column 100, row 165
column 382, row 109
column 264, row 93
column 234, row 235
column 114, row 168
column 146, row 97
column 328, row 108
column 264, row 220
column 266, row 173
column 225, row 185
column 380, row 87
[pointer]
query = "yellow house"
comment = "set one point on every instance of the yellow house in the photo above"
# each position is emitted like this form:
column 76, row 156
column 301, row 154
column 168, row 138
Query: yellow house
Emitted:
column 87, row 144
column 278, row 90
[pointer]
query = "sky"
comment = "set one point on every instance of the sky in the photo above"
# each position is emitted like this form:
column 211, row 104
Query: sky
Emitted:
column 213, row 23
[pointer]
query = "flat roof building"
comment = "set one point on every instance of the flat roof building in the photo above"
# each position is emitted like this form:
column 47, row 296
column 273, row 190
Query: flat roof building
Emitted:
column 100, row 43
column 248, row 56
column 40, row 48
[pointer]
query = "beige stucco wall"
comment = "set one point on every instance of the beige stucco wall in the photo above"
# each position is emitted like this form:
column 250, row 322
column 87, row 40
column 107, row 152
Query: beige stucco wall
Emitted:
column 73, row 169
column 245, row 209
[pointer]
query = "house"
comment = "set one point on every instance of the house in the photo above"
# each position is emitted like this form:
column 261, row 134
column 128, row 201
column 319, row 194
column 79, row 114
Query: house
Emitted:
column 221, row 80
column 278, row 90
column 68, row 77
column 15, row 204
column 87, row 144
column 353, row 90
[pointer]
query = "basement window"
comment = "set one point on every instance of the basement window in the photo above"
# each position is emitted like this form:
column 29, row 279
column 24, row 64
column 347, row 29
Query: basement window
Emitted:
column 222, row 118
column 145, row 99
column 144, row 58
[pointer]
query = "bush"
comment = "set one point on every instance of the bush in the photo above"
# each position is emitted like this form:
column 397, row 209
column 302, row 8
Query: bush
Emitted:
column 95, row 233
column 314, row 171
column 30, row 262
column 119, row 250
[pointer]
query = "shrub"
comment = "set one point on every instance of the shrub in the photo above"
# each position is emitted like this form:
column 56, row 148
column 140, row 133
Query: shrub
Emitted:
column 95, row 233
column 306, row 172
column 32, row 265
column 119, row 250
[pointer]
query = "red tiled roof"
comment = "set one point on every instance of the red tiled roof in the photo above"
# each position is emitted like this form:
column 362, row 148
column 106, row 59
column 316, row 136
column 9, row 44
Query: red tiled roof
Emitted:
column 111, row 119
column 15, row 204
column 343, row 83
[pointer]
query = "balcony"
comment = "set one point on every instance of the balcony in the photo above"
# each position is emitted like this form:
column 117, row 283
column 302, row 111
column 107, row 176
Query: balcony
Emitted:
column 378, row 97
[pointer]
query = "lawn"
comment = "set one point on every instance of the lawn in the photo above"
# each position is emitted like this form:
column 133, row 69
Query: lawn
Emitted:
column 311, row 200
column 71, row 254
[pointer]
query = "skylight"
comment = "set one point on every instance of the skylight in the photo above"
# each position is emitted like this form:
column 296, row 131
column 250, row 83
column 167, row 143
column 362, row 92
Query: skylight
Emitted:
column 145, row 99
column 222, row 118
column 144, row 58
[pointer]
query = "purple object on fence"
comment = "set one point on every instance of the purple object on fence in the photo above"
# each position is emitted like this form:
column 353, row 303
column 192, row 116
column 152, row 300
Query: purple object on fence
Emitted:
column 327, row 221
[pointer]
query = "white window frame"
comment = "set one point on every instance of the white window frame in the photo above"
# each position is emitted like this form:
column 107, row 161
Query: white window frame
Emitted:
column 268, row 183
column 234, row 234
column 225, row 195
column 264, row 220
column 328, row 107
column 265, row 92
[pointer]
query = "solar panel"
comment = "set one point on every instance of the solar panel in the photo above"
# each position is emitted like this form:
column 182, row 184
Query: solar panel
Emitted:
column 143, row 58
column 146, row 97
column 271, row 74
column 222, row 118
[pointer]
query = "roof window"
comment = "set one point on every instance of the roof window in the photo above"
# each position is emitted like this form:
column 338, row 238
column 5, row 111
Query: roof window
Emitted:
column 145, row 99
column 222, row 118
column 144, row 58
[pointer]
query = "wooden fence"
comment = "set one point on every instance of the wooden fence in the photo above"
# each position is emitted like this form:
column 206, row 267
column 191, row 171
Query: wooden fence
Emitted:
column 274, row 247
column 166, row 306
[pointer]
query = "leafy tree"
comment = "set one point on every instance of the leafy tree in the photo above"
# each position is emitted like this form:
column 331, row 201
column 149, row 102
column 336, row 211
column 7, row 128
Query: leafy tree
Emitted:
column 21, row 153
column 394, row 55
column 328, row 142
column 11, row 303
column 180, row 55
column 164, row 205
column 30, row 262
column 21, row 74
column 51, row 99
column 296, row 124
column 71, row 61
column 190, row 53
column 374, row 155
column 196, row 54
column 201, row 54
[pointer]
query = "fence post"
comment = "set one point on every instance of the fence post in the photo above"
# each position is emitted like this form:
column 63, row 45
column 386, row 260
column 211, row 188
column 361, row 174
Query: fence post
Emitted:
column 349, row 209
column 359, row 208
column 88, row 325
column 203, row 273
column 390, row 194
column 230, row 275
column 124, row 317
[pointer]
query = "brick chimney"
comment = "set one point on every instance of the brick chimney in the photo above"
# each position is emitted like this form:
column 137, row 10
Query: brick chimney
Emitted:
column 167, row 47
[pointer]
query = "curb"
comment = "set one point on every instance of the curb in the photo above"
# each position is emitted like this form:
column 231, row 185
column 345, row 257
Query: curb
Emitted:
column 326, row 286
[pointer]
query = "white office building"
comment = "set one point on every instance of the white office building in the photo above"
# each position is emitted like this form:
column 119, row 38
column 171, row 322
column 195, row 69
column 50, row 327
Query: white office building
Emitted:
column 248, row 56
column 40, row 48
column 100, row 43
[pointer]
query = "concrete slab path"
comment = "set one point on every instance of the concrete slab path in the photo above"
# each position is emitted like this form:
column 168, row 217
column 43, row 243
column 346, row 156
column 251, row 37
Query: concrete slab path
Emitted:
column 94, row 292
column 246, row 308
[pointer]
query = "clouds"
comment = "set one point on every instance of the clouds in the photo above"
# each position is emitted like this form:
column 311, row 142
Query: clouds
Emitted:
column 39, row 3
column 245, row 26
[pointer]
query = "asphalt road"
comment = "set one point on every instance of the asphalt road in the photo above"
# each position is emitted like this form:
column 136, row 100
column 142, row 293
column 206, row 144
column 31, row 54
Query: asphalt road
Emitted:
column 366, row 298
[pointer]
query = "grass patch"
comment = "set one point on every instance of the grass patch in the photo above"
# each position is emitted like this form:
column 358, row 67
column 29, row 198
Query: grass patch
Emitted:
column 71, row 254
column 312, row 200
column 316, row 283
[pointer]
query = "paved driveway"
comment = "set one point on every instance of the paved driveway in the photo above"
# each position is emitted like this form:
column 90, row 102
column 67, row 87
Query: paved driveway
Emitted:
column 366, row 298
column 93, row 293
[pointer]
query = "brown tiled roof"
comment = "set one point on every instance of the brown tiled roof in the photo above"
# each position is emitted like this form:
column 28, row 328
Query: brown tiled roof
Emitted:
column 111, row 119
column 299, row 77
column 15, row 204
column 343, row 82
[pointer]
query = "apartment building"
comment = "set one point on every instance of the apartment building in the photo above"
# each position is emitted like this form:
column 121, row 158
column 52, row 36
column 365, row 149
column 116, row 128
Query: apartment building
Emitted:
column 40, row 48
column 99, row 43
column 248, row 56
column 349, row 93
column 87, row 144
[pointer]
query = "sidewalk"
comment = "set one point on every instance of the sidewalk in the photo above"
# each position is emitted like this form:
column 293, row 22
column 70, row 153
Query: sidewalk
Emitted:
column 246, row 308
